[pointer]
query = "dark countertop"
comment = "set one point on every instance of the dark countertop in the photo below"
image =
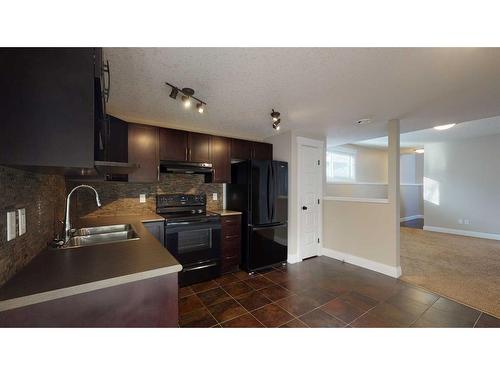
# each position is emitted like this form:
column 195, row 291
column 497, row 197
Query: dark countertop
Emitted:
column 57, row 273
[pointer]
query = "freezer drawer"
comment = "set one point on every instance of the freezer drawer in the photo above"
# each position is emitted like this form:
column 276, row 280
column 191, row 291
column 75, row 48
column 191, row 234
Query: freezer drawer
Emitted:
column 267, row 246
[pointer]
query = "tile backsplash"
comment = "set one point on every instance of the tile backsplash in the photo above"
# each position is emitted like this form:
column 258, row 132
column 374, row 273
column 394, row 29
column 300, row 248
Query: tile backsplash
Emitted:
column 122, row 198
column 43, row 196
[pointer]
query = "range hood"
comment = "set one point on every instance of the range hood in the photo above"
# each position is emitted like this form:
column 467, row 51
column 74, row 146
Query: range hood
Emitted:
column 206, row 169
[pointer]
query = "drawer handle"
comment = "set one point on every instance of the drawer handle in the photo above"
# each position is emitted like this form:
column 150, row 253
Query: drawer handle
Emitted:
column 232, row 236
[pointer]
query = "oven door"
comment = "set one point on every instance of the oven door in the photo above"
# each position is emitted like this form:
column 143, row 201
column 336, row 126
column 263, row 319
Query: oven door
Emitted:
column 196, row 245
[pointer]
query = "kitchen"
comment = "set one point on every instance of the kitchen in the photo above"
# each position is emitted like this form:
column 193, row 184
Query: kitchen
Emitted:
column 153, row 206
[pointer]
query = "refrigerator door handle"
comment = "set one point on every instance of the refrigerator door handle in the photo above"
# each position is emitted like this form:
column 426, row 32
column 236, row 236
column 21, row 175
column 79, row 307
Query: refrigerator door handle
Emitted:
column 273, row 196
column 268, row 198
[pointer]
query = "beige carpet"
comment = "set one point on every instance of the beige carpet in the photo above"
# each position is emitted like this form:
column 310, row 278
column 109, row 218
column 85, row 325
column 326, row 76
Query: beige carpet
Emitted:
column 465, row 269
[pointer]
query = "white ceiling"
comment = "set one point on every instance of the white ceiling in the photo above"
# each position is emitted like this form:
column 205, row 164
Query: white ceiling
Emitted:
column 319, row 90
column 418, row 139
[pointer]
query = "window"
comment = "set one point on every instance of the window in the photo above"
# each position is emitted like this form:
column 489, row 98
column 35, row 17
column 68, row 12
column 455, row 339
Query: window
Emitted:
column 340, row 165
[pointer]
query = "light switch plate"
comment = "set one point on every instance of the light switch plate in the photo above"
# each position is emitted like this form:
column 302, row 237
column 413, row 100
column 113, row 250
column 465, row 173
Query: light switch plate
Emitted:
column 142, row 198
column 21, row 214
column 11, row 225
column 214, row 196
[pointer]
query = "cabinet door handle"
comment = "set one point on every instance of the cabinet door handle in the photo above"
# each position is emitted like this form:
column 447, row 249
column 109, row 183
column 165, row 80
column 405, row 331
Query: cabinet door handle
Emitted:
column 232, row 236
column 107, row 90
column 158, row 173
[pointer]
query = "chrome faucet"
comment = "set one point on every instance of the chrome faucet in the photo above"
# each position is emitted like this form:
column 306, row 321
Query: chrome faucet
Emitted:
column 67, row 224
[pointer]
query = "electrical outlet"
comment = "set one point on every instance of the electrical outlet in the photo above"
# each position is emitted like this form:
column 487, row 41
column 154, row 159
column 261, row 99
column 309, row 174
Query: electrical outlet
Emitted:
column 11, row 225
column 21, row 214
column 142, row 198
column 214, row 196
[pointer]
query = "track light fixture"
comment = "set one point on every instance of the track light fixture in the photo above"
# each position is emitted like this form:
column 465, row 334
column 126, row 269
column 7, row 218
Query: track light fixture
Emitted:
column 276, row 119
column 186, row 101
column 173, row 93
column 187, row 97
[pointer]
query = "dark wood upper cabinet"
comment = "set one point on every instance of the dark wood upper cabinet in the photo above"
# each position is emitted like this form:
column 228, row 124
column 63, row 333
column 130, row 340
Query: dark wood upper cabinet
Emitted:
column 117, row 142
column 221, row 159
column 199, row 147
column 143, row 150
column 244, row 150
column 47, row 105
column 241, row 149
column 262, row 151
column 173, row 144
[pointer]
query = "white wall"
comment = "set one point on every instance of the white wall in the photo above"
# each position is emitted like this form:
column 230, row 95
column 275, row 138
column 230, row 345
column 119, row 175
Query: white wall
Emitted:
column 371, row 175
column 462, row 181
column 411, row 172
column 364, row 233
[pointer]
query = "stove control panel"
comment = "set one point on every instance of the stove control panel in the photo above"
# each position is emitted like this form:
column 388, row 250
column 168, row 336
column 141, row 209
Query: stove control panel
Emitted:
column 179, row 200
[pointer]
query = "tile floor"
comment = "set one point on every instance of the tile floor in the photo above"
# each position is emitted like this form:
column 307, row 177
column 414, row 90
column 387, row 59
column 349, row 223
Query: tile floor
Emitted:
column 320, row 292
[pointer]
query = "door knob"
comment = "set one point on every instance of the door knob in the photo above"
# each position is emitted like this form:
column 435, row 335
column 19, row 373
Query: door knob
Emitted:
column 304, row 207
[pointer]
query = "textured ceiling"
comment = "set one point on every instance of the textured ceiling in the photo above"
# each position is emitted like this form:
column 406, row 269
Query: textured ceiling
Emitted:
column 465, row 130
column 321, row 91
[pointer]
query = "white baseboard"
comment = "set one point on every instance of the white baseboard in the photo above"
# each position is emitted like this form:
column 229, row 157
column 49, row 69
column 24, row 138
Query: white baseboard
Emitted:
column 293, row 258
column 363, row 262
column 468, row 233
column 408, row 218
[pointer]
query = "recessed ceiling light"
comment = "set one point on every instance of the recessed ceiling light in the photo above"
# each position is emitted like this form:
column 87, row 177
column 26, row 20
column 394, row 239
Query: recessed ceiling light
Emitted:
column 419, row 150
column 364, row 121
column 444, row 127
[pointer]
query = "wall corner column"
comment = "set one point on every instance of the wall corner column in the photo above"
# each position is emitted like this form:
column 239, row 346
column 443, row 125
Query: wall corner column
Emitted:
column 393, row 186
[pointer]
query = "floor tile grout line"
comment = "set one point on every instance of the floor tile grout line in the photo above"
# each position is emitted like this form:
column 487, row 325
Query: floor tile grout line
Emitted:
column 367, row 311
column 246, row 310
column 477, row 320
column 319, row 308
column 422, row 314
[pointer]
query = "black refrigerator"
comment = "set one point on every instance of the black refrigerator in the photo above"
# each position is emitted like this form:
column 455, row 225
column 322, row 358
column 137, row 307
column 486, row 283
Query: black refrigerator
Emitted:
column 259, row 189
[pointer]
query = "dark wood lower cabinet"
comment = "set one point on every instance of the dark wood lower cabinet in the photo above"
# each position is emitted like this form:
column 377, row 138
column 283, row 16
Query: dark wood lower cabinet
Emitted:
column 146, row 303
column 231, row 242
column 157, row 229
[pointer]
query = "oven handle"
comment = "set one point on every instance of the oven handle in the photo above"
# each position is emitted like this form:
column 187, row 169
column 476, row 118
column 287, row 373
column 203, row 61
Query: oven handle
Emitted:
column 189, row 222
column 200, row 267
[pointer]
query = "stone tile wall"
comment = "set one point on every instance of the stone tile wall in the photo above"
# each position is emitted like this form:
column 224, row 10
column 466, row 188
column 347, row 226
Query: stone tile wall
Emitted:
column 122, row 198
column 43, row 196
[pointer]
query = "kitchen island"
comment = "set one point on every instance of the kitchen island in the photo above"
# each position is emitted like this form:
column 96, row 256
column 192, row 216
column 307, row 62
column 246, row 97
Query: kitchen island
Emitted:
column 122, row 284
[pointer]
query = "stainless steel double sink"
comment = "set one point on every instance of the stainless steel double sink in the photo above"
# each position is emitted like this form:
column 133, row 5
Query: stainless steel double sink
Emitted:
column 100, row 235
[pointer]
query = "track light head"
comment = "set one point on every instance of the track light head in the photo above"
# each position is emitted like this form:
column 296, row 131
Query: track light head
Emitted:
column 276, row 119
column 187, row 102
column 173, row 93
column 276, row 124
column 275, row 115
column 199, row 107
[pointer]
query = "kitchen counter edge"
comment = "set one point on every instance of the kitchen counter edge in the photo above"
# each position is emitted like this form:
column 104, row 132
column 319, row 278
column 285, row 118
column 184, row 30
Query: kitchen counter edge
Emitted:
column 49, row 295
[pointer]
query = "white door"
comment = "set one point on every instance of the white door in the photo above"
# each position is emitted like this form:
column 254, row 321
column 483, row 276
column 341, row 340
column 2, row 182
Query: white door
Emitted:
column 310, row 191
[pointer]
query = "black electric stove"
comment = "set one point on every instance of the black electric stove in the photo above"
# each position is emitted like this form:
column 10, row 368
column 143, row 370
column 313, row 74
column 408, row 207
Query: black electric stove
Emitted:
column 192, row 235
